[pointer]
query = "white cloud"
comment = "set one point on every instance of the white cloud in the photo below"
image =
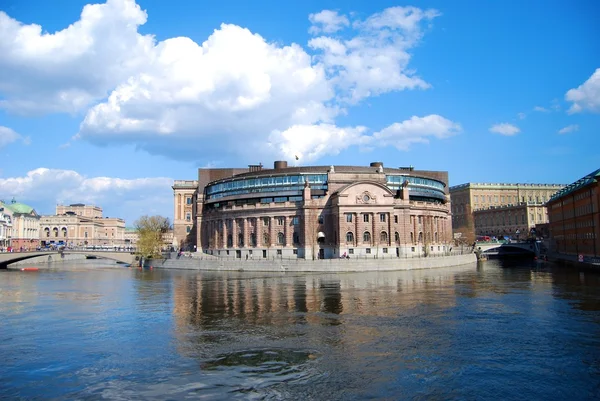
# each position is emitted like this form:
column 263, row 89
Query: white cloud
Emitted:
column 67, row 70
column 505, row 129
column 568, row 129
column 230, row 94
column 541, row 109
column 586, row 96
column 416, row 130
column 521, row 116
column 43, row 188
column 7, row 135
column 327, row 21
column 375, row 60
column 311, row 142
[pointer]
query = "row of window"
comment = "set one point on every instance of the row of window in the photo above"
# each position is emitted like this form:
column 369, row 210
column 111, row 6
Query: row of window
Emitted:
column 265, row 184
column 394, row 180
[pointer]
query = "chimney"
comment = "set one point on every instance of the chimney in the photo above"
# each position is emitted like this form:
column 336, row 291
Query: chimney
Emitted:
column 280, row 164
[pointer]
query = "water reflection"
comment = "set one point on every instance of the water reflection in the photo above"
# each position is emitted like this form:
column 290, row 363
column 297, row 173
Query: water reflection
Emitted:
column 484, row 331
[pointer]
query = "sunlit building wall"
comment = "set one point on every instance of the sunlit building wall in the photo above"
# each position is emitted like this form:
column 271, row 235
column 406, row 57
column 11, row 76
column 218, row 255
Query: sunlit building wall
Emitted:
column 575, row 219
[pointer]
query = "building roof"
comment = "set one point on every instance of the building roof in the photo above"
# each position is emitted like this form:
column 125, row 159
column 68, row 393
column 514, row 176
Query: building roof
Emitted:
column 481, row 185
column 436, row 175
column 17, row 207
column 580, row 183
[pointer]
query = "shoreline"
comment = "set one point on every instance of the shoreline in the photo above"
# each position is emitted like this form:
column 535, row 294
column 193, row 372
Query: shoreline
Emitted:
column 319, row 265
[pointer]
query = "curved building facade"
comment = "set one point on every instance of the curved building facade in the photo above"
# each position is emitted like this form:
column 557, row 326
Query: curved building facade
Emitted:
column 319, row 212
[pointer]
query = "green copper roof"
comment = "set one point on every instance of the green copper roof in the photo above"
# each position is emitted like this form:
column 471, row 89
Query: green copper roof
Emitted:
column 580, row 183
column 17, row 207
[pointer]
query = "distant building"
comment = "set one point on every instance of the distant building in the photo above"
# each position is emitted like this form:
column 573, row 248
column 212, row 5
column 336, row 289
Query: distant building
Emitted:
column 25, row 225
column 81, row 225
column 6, row 231
column 494, row 203
column 80, row 209
column 184, row 201
column 132, row 237
column 314, row 212
column 574, row 214
column 514, row 221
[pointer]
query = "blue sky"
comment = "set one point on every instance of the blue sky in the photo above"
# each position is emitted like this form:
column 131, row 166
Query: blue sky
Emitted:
column 109, row 103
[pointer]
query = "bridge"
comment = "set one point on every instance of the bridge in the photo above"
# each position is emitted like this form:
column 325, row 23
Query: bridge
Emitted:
column 11, row 257
column 501, row 249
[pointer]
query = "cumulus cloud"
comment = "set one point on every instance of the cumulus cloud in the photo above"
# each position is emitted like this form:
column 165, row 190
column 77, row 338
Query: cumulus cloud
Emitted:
column 586, row 96
column 568, row 129
column 67, row 70
column 374, row 60
column 230, row 94
column 521, row 116
column 311, row 142
column 505, row 129
column 327, row 21
column 541, row 109
column 416, row 130
column 43, row 188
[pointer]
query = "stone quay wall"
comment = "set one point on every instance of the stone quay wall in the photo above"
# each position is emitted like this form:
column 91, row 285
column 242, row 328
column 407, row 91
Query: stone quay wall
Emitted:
column 302, row 265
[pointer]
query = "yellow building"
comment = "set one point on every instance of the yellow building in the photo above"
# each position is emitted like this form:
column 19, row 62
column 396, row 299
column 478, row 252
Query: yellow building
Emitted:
column 80, row 225
column 25, row 230
column 470, row 197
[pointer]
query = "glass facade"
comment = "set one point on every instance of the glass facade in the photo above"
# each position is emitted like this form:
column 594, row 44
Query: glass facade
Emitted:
column 290, row 187
column 260, row 185
column 418, row 188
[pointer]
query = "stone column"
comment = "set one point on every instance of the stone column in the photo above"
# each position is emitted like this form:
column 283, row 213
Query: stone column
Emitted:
column 272, row 239
column 246, row 233
column 234, row 232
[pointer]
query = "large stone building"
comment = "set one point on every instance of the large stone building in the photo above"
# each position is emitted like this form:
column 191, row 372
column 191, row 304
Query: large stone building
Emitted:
column 575, row 218
column 184, row 200
column 494, row 203
column 79, row 225
column 315, row 211
column 518, row 221
column 25, row 231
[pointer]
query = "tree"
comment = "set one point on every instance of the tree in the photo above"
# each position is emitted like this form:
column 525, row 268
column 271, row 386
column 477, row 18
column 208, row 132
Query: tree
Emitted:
column 150, row 231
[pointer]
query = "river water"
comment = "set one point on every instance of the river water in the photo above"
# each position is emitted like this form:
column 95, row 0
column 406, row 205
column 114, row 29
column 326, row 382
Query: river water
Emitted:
column 487, row 331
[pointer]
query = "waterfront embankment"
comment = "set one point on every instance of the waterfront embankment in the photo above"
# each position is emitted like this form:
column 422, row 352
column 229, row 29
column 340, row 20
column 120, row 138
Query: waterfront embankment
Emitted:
column 320, row 265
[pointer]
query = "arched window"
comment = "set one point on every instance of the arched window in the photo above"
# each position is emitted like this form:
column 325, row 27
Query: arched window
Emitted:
column 397, row 237
column 55, row 230
column 296, row 238
column 64, row 232
column 280, row 239
column 349, row 237
column 229, row 240
column 240, row 239
column 367, row 237
column 253, row 239
column 266, row 239
column 47, row 230
column 436, row 237
column 412, row 237
column 420, row 237
column 383, row 237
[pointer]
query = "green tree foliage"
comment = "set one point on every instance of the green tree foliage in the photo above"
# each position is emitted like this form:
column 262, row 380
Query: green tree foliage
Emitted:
column 150, row 231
